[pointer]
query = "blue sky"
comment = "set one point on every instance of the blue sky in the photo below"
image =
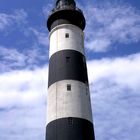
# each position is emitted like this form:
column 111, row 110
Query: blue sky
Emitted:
column 112, row 44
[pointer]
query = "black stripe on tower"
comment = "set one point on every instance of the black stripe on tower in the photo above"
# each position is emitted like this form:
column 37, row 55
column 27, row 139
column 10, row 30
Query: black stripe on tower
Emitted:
column 70, row 129
column 67, row 65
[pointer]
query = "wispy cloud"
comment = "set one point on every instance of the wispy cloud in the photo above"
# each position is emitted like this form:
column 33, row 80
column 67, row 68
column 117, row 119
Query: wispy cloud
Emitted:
column 23, row 123
column 47, row 8
column 114, row 83
column 123, row 71
column 17, row 17
column 11, row 58
column 108, row 24
column 115, row 98
column 31, row 54
column 23, row 104
column 42, row 37
column 22, row 88
column 27, row 59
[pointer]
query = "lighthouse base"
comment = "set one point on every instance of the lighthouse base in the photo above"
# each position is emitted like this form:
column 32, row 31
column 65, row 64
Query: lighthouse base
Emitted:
column 70, row 129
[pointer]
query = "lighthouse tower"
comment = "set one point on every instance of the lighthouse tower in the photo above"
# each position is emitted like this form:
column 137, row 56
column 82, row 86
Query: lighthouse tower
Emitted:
column 69, row 115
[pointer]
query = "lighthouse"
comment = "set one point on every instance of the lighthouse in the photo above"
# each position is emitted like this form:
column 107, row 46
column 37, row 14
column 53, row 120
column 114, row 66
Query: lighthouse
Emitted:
column 69, row 114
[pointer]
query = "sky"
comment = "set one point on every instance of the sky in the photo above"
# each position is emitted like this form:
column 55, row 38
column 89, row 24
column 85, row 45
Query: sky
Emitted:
column 112, row 49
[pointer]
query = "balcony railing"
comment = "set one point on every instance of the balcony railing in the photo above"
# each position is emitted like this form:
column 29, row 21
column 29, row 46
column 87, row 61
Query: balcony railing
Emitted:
column 64, row 7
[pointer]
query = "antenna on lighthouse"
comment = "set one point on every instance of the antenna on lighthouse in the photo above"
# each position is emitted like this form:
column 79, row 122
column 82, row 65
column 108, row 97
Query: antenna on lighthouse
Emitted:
column 61, row 3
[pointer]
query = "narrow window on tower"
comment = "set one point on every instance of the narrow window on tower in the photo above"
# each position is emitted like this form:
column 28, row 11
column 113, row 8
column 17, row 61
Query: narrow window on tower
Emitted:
column 67, row 35
column 68, row 87
column 67, row 59
column 70, row 121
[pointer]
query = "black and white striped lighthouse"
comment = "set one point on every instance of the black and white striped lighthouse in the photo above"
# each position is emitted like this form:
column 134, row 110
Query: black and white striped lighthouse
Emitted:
column 69, row 115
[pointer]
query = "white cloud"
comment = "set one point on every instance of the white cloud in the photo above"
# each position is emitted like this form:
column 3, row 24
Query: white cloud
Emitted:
column 47, row 8
column 123, row 71
column 23, row 88
column 110, row 23
column 11, row 58
column 15, row 59
column 42, row 37
column 114, row 82
column 115, row 98
column 7, row 20
column 23, row 104
column 98, row 45
column 23, row 123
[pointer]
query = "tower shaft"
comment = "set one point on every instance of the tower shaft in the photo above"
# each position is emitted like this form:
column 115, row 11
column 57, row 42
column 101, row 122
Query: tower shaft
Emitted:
column 69, row 115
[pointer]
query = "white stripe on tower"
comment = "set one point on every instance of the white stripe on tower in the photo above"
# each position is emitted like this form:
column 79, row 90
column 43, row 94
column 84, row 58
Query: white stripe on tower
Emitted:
column 58, row 41
column 64, row 103
column 69, row 115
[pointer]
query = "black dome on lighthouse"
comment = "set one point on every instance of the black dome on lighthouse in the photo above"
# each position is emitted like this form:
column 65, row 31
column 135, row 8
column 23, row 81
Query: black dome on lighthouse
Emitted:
column 66, row 12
